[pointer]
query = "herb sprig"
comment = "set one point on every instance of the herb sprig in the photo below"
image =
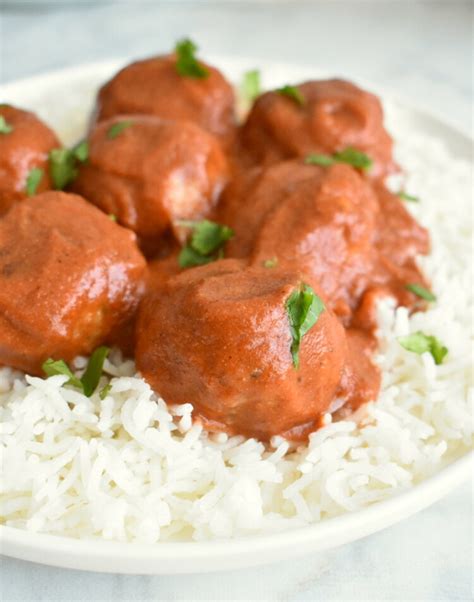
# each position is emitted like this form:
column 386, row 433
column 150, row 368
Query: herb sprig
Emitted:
column 205, row 243
column 5, row 127
column 117, row 128
column 187, row 64
column 33, row 180
column 350, row 156
column 251, row 87
column 421, row 291
column 303, row 308
column 419, row 343
column 293, row 93
column 89, row 380
column 63, row 163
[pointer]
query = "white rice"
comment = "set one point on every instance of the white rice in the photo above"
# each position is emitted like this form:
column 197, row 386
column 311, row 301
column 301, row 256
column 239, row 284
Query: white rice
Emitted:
column 131, row 468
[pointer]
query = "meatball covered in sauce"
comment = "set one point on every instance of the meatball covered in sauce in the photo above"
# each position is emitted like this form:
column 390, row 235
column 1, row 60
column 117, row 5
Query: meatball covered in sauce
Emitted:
column 219, row 337
column 150, row 173
column 326, row 117
column 318, row 220
column 155, row 87
column 25, row 142
column 70, row 278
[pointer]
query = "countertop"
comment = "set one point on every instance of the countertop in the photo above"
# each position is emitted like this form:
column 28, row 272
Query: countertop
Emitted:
column 419, row 50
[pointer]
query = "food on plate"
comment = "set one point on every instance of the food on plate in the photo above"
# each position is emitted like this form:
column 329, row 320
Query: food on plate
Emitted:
column 325, row 118
column 25, row 142
column 220, row 335
column 150, row 173
column 294, row 346
column 69, row 279
column 175, row 86
column 356, row 242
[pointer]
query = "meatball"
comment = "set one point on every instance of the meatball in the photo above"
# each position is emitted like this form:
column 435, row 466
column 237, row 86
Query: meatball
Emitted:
column 154, row 87
column 70, row 279
column 318, row 220
column 149, row 173
column 334, row 115
column 25, row 142
column 218, row 336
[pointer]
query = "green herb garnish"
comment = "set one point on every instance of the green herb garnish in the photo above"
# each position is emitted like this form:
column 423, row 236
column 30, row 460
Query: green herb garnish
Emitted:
column 62, row 167
column 270, row 263
column 5, row 128
column 186, row 62
column 419, row 343
column 54, row 367
column 304, row 308
column 112, row 217
column 117, row 128
column 105, row 391
column 81, row 151
column 250, row 87
column 89, row 380
column 33, row 180
column 408, row 197
column 292, row 92
column 349, row 155
column 421, row 291
column 63, row 164
column 205, row 243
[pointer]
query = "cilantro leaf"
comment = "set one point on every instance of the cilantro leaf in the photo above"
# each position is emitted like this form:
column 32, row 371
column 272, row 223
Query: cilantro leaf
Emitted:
column 105, row 391
column 186, row 62
column 5, row 128
column 53, row 367
column 408, row 197
column 303, row 308
column 32, row 181
column 250, row 87
column 419, row 343
column 293, row 93
column 90, row 378
column 421, row 291
column 349, row 155
column 81, row 151
column 205, row 243
column 270, row 263
column 117, row 128
column 62, row 167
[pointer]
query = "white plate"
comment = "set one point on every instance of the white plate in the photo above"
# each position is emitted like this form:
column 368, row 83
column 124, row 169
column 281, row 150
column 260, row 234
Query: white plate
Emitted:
column 65, row 112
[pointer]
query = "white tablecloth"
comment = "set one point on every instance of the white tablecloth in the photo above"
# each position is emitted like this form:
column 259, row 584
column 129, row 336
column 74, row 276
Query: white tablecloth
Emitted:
column 419, row 50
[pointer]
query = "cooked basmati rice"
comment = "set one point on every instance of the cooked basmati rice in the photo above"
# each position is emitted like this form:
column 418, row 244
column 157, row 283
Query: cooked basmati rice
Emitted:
column 131, row 468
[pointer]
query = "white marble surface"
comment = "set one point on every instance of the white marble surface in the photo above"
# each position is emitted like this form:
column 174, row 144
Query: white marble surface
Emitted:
column 420, row 50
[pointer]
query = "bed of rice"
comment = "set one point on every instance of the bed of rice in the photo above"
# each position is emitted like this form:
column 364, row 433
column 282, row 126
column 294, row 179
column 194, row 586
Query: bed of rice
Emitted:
column 131, row 468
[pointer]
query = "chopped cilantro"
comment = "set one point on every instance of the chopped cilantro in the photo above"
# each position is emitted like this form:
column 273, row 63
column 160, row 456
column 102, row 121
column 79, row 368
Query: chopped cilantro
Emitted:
column 89, row 380
column 5, row 128
column 270, row 263
column 421, row 291
column 105, row 391
column 349, row 155
column 419, row 343
column 408, row 197
column 33, row 180
column 186, row 62
column 117, row 128
column 250, row 87
column 292, row 92
column 304, row 308
column 205, row 243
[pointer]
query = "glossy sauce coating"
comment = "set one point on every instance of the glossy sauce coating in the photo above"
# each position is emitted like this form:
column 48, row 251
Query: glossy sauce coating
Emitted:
column 218, row 336
column 335, row 115
column 330, row 223
column 70, row 278
column 154, row 87
column 153, row 173
column 24, row 148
